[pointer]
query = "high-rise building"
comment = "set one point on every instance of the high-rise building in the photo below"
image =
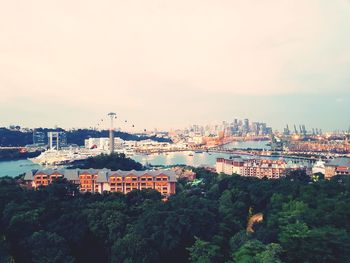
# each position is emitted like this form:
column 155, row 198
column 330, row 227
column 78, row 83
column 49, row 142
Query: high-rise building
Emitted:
column 57, row 140
column 38, row 137
column 245, row 126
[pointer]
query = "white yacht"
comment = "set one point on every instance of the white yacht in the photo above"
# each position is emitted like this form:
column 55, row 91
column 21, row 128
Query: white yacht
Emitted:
column 66, row 156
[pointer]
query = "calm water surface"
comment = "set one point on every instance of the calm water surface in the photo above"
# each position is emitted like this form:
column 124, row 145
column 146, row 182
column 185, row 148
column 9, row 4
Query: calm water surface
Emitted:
column 14, row 168
column 198, row 159
column 248, row 144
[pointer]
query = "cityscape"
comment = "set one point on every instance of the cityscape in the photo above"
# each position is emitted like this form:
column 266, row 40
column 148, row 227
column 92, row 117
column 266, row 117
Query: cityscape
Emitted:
column 174, row 131
column 235, row 144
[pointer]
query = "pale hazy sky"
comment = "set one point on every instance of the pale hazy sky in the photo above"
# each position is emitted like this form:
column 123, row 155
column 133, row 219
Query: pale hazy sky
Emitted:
column 167, row 64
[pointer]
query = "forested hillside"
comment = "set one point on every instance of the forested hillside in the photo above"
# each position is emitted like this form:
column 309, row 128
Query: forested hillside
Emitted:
column 18, row 138
column 303, row 221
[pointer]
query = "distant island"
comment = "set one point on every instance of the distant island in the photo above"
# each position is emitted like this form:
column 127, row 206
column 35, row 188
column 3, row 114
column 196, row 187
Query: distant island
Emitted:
column 15, row 154
column 17, row 138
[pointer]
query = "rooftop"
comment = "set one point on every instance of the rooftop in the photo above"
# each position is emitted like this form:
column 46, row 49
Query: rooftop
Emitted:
column 342, row 161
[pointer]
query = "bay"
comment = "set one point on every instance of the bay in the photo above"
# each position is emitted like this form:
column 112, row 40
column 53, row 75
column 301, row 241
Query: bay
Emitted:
column 16, row 167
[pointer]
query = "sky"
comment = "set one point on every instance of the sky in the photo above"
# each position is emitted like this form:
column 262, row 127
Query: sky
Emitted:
column 168, row 64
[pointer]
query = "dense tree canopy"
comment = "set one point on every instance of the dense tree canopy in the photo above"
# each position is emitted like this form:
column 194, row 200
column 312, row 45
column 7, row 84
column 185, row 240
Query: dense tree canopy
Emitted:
column 113, row 161
column 304, row 221
column 15, row 154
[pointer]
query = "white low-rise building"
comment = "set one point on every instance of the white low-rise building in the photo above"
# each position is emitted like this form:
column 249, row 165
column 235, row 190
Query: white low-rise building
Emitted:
column 103, row 143
column 319, row 167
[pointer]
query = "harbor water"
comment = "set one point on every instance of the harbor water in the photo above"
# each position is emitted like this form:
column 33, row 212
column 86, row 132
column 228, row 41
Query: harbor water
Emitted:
column 14, row 168
column 196, row 159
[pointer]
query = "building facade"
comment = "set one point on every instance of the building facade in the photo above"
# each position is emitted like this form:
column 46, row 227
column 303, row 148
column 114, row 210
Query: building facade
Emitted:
column 260, row 168
column 229, row 166
column 38, row 138
column 105, row 180
column 337, row 166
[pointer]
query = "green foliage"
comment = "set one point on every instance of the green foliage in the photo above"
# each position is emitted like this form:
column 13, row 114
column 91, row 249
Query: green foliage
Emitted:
column 270, row 254
column 328, row 244
column 46, row 247
column 303, row 222
column 255, row 251
column 14, row 137
column 203, row 252
column 16, row 154
column 4, row 251
column 106, row 220
column 248, row 252
column 111, row 161
column 293, row 235
column 132, row 248
column 291, row 212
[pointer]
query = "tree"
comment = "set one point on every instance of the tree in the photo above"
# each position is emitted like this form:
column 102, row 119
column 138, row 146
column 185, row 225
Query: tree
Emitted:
column 303, row 222
column 113, row 161
column 298, row 175
column 254, row 251
column 248, row 251
column 327, row 245
column 107, row 221
column 271, row 254
column 133, row 249
column 46, row 247
column 293, row 238
column 4, row 252
column 203, row 252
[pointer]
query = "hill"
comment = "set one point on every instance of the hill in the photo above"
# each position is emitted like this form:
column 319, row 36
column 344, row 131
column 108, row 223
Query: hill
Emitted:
column 299, row 221
column 18, row 138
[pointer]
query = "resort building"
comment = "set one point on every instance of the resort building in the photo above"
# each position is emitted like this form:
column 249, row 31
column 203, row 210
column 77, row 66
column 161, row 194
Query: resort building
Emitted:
column 229, row 166
column 105, row 180
column 337, row 166
column 183, row 173
column 260, row 168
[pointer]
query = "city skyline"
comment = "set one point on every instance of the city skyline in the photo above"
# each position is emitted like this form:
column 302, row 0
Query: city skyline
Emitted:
column 166, row 64
column 216, row 126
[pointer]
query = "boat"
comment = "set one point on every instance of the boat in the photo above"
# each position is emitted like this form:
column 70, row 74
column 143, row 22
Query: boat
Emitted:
column 63, row 157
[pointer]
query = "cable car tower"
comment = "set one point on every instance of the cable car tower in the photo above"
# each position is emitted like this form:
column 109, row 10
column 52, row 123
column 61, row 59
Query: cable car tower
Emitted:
column 112, row 116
